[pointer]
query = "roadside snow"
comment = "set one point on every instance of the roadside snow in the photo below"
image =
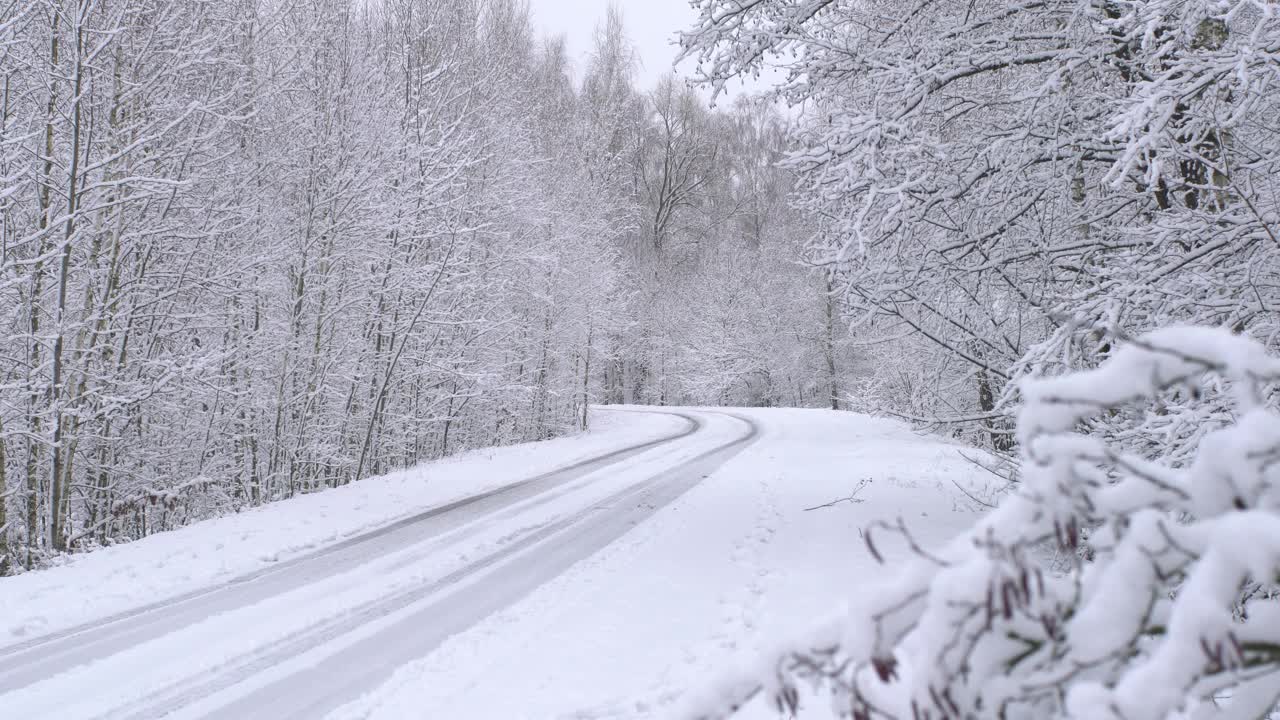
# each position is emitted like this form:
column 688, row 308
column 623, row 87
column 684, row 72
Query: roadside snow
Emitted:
column 700, row 588
column 635, row 631
column 116, row 579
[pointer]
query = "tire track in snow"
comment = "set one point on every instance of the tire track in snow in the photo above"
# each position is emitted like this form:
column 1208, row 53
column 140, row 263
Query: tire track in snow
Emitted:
column 33, row 660
column 558, row 545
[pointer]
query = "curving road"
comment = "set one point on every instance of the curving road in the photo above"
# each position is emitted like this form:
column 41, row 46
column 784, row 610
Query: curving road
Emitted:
column 308, row 635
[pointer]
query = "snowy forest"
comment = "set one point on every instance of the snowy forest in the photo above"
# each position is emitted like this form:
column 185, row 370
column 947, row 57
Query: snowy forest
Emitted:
column 256, row 249
column 253, row 249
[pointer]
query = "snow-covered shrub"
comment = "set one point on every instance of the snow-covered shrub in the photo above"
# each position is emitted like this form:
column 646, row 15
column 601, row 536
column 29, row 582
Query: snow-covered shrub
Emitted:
column 1166, row 606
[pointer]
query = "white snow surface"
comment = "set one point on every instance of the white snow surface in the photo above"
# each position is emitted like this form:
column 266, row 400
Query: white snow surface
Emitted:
column 640, row 629
column 122, row 577
column 706, row 586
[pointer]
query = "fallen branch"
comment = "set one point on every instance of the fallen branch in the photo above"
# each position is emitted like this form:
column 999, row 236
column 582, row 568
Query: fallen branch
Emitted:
column 853, row 496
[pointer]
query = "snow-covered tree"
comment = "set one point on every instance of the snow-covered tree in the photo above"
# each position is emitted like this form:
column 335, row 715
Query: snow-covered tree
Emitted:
column 1005, row 188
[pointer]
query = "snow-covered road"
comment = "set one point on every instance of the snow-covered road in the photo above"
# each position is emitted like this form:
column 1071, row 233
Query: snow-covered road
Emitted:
column 303, row 636
column 607, row 575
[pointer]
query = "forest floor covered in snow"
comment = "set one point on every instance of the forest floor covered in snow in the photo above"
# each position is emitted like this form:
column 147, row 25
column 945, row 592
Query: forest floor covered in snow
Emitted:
column 703, row 586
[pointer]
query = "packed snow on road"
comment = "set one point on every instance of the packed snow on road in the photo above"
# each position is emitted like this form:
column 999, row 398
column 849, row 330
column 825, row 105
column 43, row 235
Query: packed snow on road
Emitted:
column 613, row 589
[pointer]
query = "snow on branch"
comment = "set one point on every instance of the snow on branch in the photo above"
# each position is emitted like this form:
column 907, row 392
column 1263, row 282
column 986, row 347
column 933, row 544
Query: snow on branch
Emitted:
column 1163, row 598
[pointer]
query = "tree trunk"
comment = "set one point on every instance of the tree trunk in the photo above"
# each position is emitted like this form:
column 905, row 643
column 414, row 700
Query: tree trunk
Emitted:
column 4, row 508
column 829, row 345
column 586, row 380
column 57, row 489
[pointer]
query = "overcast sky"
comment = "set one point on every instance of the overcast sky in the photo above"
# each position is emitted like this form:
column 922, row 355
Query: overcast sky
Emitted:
column 651, row 24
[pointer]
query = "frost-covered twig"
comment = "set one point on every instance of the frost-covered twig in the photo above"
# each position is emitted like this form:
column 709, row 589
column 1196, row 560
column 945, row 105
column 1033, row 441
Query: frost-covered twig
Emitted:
column 852, row 497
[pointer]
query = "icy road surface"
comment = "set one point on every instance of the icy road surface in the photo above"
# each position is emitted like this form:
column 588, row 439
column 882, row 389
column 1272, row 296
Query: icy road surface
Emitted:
column 301, row 637
column 611, row 575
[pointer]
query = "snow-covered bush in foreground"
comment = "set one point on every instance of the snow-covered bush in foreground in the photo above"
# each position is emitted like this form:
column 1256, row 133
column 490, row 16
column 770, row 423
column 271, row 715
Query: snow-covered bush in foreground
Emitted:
column 1164, row 607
